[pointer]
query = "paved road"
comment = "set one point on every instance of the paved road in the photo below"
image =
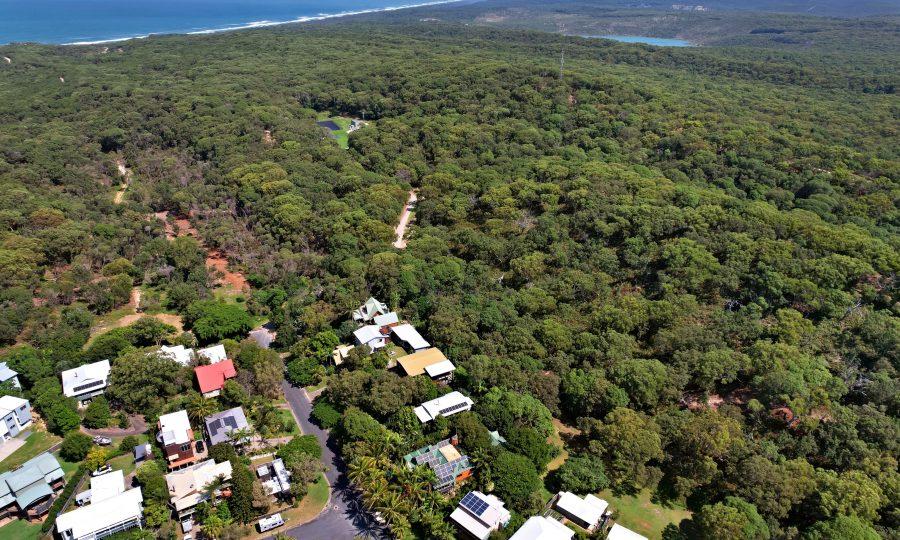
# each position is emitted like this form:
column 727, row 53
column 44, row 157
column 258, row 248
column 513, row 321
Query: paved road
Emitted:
column 344, row 517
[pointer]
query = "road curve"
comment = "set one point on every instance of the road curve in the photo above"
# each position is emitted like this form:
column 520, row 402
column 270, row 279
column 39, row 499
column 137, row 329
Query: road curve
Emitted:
column 344, row 517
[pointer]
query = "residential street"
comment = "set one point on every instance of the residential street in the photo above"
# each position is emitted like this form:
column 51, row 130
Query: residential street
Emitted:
column 344, row 517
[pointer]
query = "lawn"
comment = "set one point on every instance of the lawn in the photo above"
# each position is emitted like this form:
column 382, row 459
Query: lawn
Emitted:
column 37, row 443
column 643, row 516
column 287, row 419
column 340, row 135
column 20, row 530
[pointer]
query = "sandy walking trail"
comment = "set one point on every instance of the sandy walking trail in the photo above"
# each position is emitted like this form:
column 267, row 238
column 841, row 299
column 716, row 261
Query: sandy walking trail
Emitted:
column 405, row 218
column 126, row 173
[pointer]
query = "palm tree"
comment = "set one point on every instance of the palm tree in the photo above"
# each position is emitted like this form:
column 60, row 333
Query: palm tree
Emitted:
column 414, row 482
column 198, row 407
column 239, row 437
column 214, row 486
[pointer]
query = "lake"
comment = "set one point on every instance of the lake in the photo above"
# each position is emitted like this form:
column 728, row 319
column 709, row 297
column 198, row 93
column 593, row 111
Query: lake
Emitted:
column 93, row 21
column 659, row 42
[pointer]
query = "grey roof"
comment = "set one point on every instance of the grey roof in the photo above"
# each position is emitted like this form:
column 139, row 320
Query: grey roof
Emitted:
column 6, row 373
column 219, row 425
column 23, row 485
column 142, row 450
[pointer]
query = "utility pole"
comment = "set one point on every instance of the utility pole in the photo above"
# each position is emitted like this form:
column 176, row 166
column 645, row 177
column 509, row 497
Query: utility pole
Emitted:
column 562, row 62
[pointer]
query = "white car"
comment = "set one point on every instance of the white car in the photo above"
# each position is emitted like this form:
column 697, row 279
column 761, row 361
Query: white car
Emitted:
column 102, row 470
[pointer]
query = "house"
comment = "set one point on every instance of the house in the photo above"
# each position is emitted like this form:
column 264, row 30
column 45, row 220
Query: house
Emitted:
column 478, row 515
column 106, row 516
column 275, row 477
column 449, row 466
column 188, row 487
column 586, row 513
column 212, row 378
column 214, row 354
column 85, row 382
column 340, row 354
column 221, row 425
column 103, row 487
column 406, row 336
column 543, row 528
column 15, row 415
column 445, row 405
column 618, row 532
column 177, row 439
column 431, row 361
column 142, row 452
column 177, row 353
column 28, row 492
column 369, row 311
column 8, row 375
column 370, row 335
column 387, row 320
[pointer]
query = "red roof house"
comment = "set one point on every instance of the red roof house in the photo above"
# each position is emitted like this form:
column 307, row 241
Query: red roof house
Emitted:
column 212, row 377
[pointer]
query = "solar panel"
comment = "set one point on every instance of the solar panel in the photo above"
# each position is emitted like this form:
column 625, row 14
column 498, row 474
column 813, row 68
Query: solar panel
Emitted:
column 474, row 504
column 230, row 422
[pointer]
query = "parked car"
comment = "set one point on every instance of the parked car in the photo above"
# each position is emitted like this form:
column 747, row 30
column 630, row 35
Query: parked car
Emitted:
column 270, row 522
column 187, row 525
column 102, row 441
column 102, row 470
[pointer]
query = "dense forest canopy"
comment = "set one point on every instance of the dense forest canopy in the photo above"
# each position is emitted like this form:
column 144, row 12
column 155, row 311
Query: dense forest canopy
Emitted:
column 689, row 254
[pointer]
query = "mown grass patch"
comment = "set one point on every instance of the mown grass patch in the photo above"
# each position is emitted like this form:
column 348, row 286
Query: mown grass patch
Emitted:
column 20, row 530
column 37, row 443
column 642, row 515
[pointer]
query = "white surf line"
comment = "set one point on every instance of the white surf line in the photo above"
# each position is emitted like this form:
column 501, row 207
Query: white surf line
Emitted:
column 265, row 24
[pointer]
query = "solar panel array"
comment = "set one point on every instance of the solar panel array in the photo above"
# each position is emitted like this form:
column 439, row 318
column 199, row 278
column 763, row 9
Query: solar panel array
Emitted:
column 474, row 504
column 453, row 408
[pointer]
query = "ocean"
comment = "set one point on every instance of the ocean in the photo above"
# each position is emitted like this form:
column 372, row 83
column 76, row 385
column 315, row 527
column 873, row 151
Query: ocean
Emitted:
column 659, row 42
column 97, row 21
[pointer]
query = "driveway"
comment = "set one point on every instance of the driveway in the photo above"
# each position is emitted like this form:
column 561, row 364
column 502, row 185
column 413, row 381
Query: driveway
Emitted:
column 344, row 517
column 405, row 216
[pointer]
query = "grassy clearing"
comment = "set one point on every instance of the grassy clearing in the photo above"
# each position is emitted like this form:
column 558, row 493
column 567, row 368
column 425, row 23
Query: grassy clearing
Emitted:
column 37, row 443
column 287, row 419
column 340, row 135
column 642, row 515
column 20, row 530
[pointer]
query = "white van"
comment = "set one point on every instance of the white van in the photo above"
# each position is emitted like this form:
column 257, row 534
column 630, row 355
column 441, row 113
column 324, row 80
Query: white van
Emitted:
column 270, row 522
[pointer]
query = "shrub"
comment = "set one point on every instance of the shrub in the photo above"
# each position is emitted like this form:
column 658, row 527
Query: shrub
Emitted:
column 97, row 414
column 326, row 415
column 128, row 443
column 304, row 444
column 75, row 446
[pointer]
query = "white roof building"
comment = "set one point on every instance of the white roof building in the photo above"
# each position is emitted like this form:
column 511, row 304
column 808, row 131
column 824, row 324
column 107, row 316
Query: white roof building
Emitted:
column 543, row 528
column 178, row 353
column 370, row 335
column 445, row 405
column 410, row 337
column 15, row 415
column 386, row 319
column 187, row 487
column 106, row 486
column 480, row 514
column 102, row 518
column 214, row 354
column 86, row 381
column 586, row 512
column 440, row 369
column 174, row 428
column 7, row 374
column 274, row 476
column 618, row 532
column 369, row 310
